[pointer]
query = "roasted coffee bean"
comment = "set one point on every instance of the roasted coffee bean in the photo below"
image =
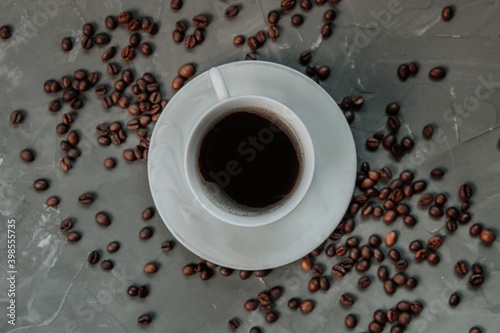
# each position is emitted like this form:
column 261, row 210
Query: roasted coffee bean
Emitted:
column 102, row 38
column 87, row 42
column 297, row 20
column 188, row 270
column 153, row 29
column 341, row 251
column 190, row 41
column 393, row 123
column 326, row 30
column 307, row 306
column 200, row 21
column 101, row 90
column 461, row 268
column 380, row 317
column 65, row 146
column 488, row 236
column 421, row 255
column 323, row 72
column 146, row 233
column 146, row 49
column 454, row 299
column 383, row 273
column 27, row 155
column 40, row 185
column 176, row 4
column 378, row 211
column 401, row 264
column 55, row 105
column 374, row 241
column 476, row 229
column 293, row 303
column 447, row 13
column 375, row 327
column 113, row 69
column 239, row 40
column 465, row 192
column 433, row 258
column 464, row 218
column 435, row 242
column 465, row 205
column 73, row 236
column 251, row 305
column 411, row 283
column 66, row 225
column 65, row 164
column 477, row 268
column 347, row 299
column 441, row 199
column 362, row 265
column 313, row 284
column 389, row 141
column 476, row 280
column 73, row 138
column 428, row 131
column 128, row 53
column 104, row 140
column 150, row 268
column 108, row 54
column 311, row 70
column 305, row 57
column 475, row 330
column 389, row 287
column 287, row 4
column 436, row 211
column 5, row 32
column 400, row 279
column 110, row 22
column 144, row 319
column 392, row 315
column 403, row 72
column 103, row 219
column 124, row 17
column 372, row 143
column 88, row 29
column 437, row 73
column 364, row 282
column 231, row 11
column 177, row 82
column 113, row 247
column 426, row 200
column 86, row 198
column 404, row 318
column 416, row 245
column 392, row 109
column 264, row 298
column 338, row 271
column 260, row 37
column 148, row 213
column 407, row 143
column 391, row 238
column 413, row 67
column 134, row 25
column 306, row 4
column 76, row 103
column 394, row 254
column 16, row 117
column 142, row 292
column 351, row 321
column 329, row 15
column 93, row 257
column 66, row 44
column 109, row 163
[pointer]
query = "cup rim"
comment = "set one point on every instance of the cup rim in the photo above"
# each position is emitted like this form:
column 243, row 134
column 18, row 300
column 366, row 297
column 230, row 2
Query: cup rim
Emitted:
column 300, row 189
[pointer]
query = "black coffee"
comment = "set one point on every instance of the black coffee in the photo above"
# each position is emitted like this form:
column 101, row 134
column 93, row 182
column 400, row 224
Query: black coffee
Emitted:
column 252, row 159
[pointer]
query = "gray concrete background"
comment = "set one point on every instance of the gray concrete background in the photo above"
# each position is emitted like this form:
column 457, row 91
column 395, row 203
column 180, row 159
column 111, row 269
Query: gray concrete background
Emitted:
column 57, row 291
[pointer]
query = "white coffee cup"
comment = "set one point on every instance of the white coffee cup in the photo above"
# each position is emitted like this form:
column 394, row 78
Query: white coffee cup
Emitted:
column 210, row 196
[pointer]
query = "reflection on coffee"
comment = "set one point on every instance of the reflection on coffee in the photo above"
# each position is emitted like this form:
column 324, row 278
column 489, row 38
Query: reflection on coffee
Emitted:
column 256, row 161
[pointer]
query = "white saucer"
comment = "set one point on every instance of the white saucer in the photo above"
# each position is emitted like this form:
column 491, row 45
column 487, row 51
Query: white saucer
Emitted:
column 285, row 240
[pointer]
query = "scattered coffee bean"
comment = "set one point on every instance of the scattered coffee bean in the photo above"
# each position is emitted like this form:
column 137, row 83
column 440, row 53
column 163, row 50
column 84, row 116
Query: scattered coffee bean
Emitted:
column 307, row 306
column 113, row 247
column 5, row 32
column 93, row 257
column 144, row 319
column 437, row 73
column 351, row 321
column 73, row 236
column 66, row 44
column 403, row 72
column 146, row 233
column 454, row 299
column 150, row 268
column 86, row 198
column 66, row 225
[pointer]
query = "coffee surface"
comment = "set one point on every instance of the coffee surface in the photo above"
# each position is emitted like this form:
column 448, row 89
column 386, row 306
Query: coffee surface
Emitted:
column 250, row 158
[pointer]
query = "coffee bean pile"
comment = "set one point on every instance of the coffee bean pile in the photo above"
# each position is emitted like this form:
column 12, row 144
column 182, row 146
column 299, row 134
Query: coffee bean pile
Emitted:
column 379, row 194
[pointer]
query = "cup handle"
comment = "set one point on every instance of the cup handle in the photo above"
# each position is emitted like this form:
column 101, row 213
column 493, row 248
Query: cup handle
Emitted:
column 219, row 84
